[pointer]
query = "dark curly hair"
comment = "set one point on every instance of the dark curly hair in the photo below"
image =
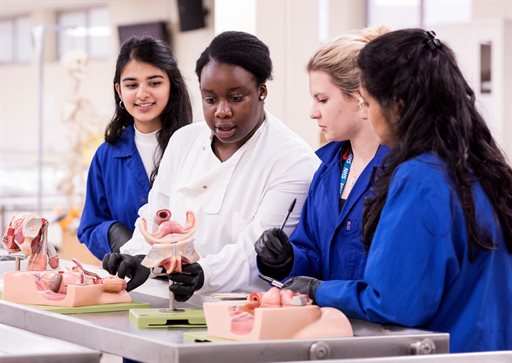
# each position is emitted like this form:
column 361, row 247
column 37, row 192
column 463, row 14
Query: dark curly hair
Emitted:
column 239, row 49
column 178, row 111
column 438, row 116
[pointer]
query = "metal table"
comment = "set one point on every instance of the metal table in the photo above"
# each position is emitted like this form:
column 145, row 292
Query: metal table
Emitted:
column 18, row 346
column 112, row 333
column 484, row 357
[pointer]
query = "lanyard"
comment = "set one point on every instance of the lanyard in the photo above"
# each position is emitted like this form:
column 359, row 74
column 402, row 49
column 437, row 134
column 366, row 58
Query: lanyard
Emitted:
column 345, row 171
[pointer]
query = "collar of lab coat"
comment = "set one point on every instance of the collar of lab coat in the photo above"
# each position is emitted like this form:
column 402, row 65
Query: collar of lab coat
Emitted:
column 211, row 186
column 125, row 147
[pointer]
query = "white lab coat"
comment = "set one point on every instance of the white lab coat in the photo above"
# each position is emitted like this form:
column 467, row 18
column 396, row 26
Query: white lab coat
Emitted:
column 234, row 201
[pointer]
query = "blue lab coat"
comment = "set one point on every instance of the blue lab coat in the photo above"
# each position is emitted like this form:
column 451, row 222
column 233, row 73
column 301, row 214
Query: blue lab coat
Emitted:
column 117, row 186
column 418, row 273
column 327, row 243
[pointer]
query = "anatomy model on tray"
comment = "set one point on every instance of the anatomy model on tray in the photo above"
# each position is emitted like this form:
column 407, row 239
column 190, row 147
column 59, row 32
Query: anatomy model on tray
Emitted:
column 274, row 314
column 72, row 286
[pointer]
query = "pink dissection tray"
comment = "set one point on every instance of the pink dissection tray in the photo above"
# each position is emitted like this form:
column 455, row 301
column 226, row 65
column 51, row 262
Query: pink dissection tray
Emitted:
column 20, row 287
column 291, row 322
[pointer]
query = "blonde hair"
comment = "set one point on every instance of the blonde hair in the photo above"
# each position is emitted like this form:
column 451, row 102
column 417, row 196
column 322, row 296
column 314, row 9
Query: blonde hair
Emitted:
column 338, row 58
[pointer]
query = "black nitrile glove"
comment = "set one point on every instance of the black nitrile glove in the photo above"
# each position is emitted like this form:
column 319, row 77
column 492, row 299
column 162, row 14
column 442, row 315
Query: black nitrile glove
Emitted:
column 118, row 235
column 302, row 284
column 186, row 282
column 126, row 266
column 275, row 253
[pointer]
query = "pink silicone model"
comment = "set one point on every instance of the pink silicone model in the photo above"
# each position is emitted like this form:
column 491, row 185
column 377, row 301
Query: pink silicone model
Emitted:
column 275, row 314
column 72, row 287
column 28, row 233
column 171, row 243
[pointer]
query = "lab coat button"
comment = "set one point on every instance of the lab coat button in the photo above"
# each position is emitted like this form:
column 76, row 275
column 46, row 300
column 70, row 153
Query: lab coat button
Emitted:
column 205, row 187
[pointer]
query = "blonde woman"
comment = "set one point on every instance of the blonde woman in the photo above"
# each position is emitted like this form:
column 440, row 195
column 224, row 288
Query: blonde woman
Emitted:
column 327, row 243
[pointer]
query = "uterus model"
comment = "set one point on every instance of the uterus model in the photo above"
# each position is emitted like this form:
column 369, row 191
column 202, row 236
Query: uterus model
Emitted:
column 27, row 236
column 171, row 243
column 72, row 287
column 274, row 314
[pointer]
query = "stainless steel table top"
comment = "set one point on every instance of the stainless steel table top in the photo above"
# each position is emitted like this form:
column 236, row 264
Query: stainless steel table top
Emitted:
column 113, row 333
column 17, row 346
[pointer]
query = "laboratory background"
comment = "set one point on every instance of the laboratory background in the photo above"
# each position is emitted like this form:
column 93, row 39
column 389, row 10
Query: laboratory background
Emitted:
column 57, row 60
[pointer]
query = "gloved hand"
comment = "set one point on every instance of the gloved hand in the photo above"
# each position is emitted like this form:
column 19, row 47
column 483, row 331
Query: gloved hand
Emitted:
column 302, row 284
column 186, row 282
column 118, row 235
column 275, row 253
column 126, row 266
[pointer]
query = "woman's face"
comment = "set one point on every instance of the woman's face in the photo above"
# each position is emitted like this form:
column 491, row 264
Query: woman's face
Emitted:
column 145, row 91
column 379, row 118
column 232, row 102
column 338, row 116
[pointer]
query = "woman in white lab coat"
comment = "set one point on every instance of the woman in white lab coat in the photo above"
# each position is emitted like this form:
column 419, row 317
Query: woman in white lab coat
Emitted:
column 238, row 172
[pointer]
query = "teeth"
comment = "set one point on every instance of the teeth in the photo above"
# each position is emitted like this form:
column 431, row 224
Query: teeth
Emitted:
column 144, row 104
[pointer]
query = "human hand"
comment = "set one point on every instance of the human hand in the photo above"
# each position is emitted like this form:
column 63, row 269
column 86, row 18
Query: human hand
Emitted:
column 118, row 235
column 275, row 253
column 126, row 266
column 186, row 282
column 302, row 284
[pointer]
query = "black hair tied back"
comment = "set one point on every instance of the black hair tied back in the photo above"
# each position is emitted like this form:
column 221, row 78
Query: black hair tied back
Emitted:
column 432, row 42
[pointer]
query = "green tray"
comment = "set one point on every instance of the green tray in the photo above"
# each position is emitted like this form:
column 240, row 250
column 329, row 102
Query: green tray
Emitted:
column 103, row 308
column 161, row 318
column 202, row 337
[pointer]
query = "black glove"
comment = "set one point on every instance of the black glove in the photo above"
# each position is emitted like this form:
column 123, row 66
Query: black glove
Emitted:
column 118, row 235
column 275, row 254
column 302, row 284
column 186, row 282
column 126, row 266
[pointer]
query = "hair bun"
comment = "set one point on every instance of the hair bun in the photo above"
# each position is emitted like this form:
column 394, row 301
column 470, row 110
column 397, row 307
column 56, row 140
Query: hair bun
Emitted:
column 371, row 33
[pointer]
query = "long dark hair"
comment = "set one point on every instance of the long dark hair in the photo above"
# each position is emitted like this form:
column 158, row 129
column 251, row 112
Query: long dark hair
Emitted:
column 178, row 111
column 438, row 116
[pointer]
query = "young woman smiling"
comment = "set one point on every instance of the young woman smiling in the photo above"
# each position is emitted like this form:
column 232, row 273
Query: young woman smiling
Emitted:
column 151, row 103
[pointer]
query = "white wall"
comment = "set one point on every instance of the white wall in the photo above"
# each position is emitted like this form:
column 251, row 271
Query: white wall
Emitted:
column 465, row 39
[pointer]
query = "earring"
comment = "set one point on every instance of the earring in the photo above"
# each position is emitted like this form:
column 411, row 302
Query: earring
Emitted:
column 121, row 105
column 262, row 97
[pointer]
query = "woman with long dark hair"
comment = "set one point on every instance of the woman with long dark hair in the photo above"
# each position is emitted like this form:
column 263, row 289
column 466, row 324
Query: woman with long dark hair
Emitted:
column 151, row 103
column 439, row 227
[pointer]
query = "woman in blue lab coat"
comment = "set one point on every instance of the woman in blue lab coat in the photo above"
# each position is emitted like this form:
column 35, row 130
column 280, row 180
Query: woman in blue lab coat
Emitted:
column 327, row 243
column 152, row 102
column 439, row 227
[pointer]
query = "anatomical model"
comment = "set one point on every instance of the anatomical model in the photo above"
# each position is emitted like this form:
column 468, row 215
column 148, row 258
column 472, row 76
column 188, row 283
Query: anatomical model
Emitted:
column 74, row 286
column 274, row 314
column 28, row 233
column 171, row 243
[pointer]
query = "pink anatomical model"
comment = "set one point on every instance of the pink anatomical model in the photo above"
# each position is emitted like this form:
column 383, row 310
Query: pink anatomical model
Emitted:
column 27, row 233
column 171, row 243
column 274, row 314
column 73, row 286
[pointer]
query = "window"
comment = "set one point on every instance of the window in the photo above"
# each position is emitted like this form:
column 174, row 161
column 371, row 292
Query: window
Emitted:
column 16, row 40
column 87, row 30
column 397, row 14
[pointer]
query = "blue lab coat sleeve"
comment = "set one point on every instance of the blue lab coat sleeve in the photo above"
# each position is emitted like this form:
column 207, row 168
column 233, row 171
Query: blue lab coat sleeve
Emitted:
column 410, row 262
column 96, row 218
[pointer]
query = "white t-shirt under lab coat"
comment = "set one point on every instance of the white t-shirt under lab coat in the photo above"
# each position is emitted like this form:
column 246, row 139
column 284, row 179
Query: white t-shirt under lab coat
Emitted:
column 234, row 201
